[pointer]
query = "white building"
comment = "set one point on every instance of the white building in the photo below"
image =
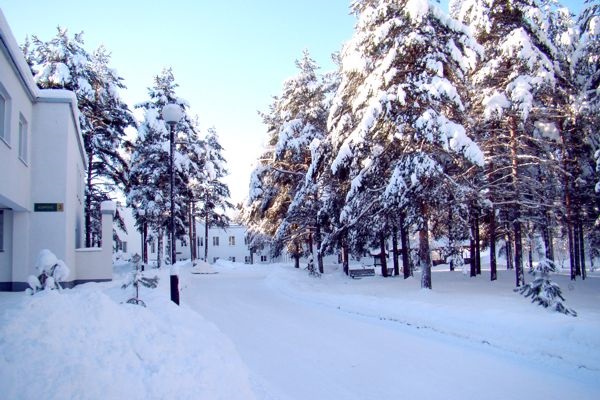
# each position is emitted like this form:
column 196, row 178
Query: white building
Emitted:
column 226, row 244
column 42, row 170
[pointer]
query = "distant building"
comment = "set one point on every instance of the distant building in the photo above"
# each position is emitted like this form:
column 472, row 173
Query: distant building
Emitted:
column 226, row 244
column 42, row 170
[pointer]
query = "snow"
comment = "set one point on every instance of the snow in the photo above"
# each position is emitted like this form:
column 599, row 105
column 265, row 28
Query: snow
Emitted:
column 335, row 337
column 548, row 130
column 494, row 104
column 417, row 9
column 272, row 332
column 108, row 205
column 45, row 260
column 85, row 343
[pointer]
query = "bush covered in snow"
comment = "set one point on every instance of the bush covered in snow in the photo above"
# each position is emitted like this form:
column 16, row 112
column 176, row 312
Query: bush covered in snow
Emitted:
column 543, row 291
column 51, row 271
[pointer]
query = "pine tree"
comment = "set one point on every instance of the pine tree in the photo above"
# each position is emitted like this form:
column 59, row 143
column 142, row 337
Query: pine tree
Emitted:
column 283, row 203
column 213, row 193
column 397, row 125
column 585, row 70
column 543, row 291
column 514, row 93
column 148, row 188
column 63, row 63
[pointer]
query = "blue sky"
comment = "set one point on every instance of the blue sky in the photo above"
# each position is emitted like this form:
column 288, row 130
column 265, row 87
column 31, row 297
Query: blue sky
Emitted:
column 229, row 57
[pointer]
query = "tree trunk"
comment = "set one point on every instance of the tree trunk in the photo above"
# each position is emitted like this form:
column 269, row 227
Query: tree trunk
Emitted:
column 477, row 245
column 571, row 251
column 548, row 239
column 509, row 250
column 577, row 246
column 516, row 212
column 493, row 267
column 451, row 237
column 531, row 245
column 88, row 204
column 472, row 258
column 405, row 243
column 382, row 255
column 297, row 256
column 345, row 259
column 159, row 254
column 582, row 251
column 318, row 243
column 206, row 236
column 520, row 277
column 191, row 231
column 395, row 250
column 424, row 252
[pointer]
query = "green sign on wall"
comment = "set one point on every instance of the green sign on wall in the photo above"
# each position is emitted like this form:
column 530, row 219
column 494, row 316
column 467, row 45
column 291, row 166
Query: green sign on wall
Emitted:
column 48, row 207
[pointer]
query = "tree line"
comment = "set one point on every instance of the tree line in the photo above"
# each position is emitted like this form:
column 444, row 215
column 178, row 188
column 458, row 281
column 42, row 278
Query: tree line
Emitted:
column 134, row 165
column 480, row 126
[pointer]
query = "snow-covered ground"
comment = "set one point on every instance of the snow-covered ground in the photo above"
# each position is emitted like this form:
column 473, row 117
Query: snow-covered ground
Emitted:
column 273, row 332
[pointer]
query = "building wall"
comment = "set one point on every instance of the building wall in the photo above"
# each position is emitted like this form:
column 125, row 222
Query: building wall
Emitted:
column 57, row 170
column 15, row 174
column 53, row 172
column 15, row 187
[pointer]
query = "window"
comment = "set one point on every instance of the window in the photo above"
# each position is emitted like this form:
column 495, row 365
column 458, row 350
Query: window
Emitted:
column 152, row 247
column 4, row 115
column 215, row 240
column 246, row 259
column 1, row 230
column 22, row 139
column 246, row 240
column 232, row 240
column 263, row 258
column 215, row 259
column 200, row 242
column 232, row 259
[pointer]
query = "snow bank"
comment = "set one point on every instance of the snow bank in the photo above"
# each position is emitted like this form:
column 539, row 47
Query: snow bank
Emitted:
column 85, row 344
column 473, row 309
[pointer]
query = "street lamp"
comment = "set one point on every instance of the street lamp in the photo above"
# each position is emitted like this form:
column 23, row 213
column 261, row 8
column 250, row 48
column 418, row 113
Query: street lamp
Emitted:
column 142, row 213
column 172, row 114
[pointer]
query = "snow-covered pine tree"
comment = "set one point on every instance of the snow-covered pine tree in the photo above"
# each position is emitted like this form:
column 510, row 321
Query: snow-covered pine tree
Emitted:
column 213, row 196
column 397, row 119
column 137, row 279
column 148, row 187
column 543, row 291
column 63, row 63
column 585, row 70
column 515, row 90
column 277, row 206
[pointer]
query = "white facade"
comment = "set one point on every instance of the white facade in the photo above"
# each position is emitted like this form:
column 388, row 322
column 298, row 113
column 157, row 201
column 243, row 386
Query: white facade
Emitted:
column 225, row 244
column 42, row 170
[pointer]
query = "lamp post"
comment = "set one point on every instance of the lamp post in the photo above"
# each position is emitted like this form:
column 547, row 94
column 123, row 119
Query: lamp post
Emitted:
column 142, row 213
column 172, row 113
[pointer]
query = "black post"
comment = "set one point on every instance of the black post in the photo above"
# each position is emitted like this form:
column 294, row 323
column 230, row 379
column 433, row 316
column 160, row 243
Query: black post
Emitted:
column 175, row 289
column 145, row 242
column 174, row 277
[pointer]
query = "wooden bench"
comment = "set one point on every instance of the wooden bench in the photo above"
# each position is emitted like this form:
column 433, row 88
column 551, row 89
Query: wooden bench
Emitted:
column 359, row 273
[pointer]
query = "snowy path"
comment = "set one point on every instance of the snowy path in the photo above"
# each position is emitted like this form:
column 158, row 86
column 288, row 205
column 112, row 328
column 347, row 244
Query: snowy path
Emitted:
column 300, row 350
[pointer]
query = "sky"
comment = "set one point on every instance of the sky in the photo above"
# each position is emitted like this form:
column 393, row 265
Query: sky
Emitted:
column 228, row 57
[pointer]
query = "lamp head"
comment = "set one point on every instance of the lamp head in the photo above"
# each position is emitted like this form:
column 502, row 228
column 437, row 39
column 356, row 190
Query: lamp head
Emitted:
column 172, row 113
